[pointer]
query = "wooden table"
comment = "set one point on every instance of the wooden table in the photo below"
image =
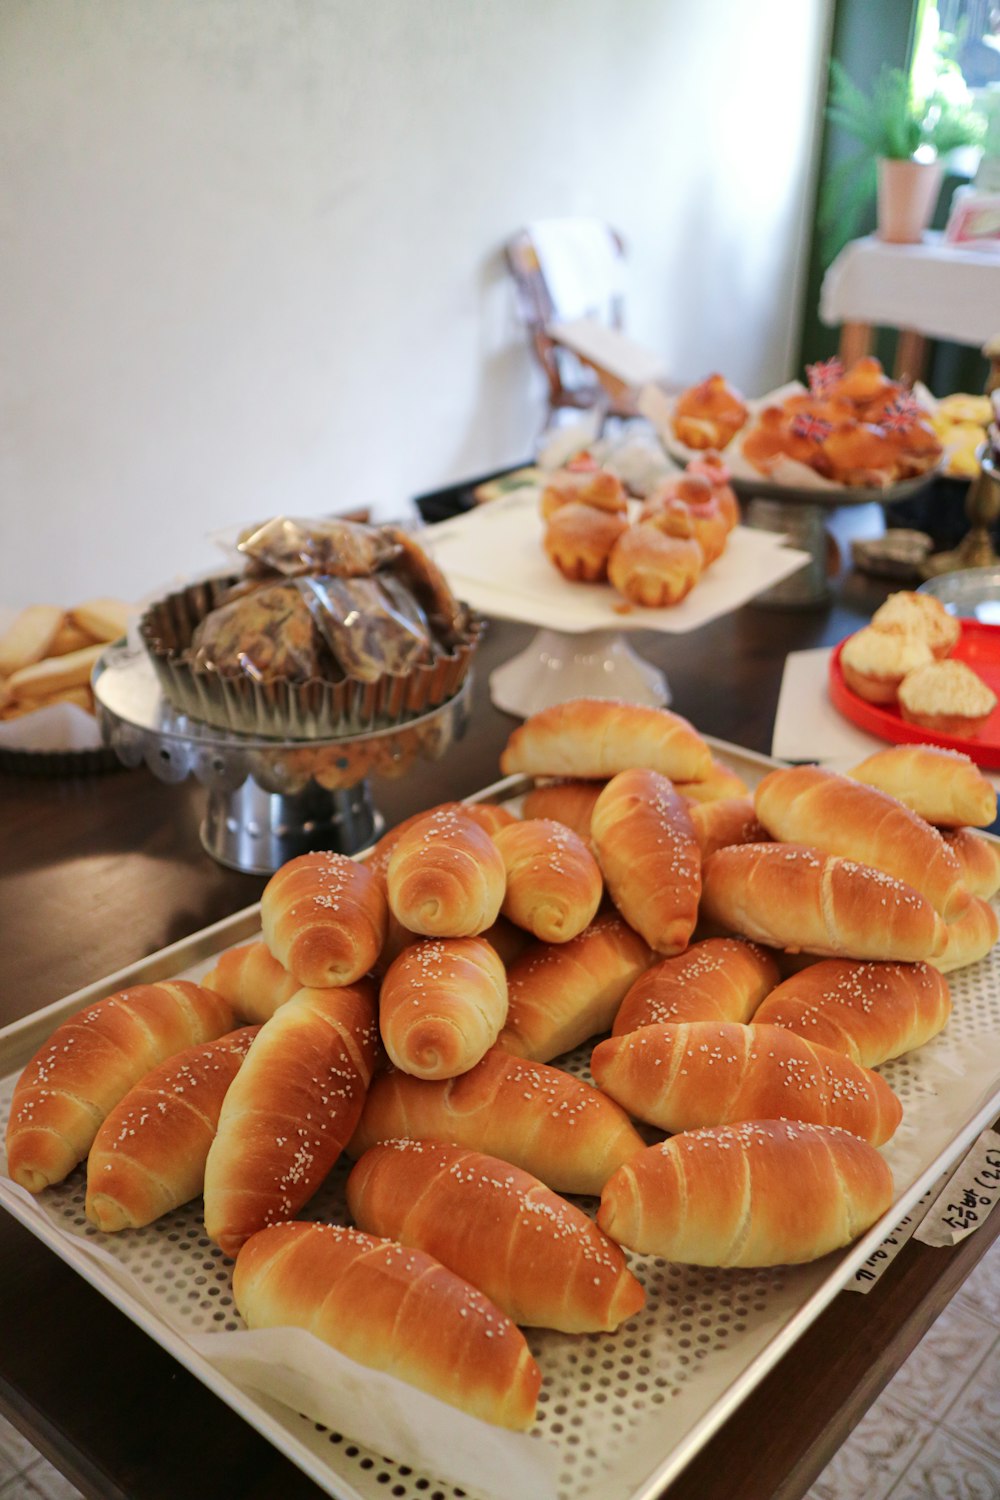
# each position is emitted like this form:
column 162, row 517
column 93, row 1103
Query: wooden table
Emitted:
column 102, row 871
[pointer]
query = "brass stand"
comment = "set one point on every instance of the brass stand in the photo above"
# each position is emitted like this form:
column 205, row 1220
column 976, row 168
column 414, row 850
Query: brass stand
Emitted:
column 982, row 506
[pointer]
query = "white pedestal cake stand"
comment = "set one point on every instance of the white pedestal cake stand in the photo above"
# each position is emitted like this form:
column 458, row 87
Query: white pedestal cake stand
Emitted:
column 268, row 800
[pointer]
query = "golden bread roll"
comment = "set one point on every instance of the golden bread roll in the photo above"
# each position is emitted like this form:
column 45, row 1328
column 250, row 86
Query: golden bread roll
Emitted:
column 489, row 815
column 720, row 979
column 391, row 1309
column 149, row 1155
column 595, row 738
column 103, row 619
column 979, row 859
column 29, row 637
column 870, row 1011
column 709, row 414
column 921, row 615
column 554, row 885
column 568, row 802
column 43, row 679
column 446, row 877
column 765, row 1193
column 442, row 1005
column 946, row 697
column 540, row 1259
column 652, row 568
column 90, row 1062
column 562, row 994
column 555, row 1126
column 731, row 820
column 703, row 1073
column 69, row 637
column 324, row 918
column 597, row 488
column 970, row 937
column 720, row 783
column 803, row 900
column 944, row 787
column 874, row 662
column 252, row 980
column 578, row 540
column 646, row 847
column 808, row 805
column 289, row 1111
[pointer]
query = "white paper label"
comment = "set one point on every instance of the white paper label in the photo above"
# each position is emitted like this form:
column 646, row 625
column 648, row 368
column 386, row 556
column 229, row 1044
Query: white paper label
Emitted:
column 968, row 1197
column 868, row 1274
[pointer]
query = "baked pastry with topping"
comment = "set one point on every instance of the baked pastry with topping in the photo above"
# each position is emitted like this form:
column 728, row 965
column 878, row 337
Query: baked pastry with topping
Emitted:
column 947, row 697
column 874, row 662
column 910, row 613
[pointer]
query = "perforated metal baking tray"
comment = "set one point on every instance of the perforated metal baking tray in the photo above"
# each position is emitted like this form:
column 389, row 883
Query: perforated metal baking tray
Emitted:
column 623, row 1412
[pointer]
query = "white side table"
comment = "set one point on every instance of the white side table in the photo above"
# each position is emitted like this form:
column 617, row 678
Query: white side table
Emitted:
column 931, row 290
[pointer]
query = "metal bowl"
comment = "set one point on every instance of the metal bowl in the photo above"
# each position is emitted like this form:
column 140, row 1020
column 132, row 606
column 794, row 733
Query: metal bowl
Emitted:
column 972, row 593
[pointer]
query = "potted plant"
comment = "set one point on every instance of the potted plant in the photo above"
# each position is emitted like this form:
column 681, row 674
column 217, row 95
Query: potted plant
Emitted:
column 903, row 140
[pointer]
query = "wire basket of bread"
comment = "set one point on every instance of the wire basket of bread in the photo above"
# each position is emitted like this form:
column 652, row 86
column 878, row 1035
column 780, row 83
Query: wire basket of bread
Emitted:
column 47, row 713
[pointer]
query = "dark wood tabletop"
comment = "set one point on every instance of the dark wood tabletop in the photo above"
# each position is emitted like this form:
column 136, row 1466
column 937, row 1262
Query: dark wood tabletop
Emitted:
column 101, row 870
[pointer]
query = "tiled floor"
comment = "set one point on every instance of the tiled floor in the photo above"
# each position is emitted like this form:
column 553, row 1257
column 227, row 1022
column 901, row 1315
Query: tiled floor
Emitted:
column 934, row 1433
column 898, row 1452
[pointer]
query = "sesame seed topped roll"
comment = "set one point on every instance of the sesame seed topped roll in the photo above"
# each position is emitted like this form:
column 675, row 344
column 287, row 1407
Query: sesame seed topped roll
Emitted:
column 324, row 918
column 647, row 849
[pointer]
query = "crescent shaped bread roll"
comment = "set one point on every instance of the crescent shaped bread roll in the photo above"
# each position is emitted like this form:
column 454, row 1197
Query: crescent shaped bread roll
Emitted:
column 392, row 1309
column 720, row 979
column 944, row 787
column 567, row 802
column 765, row 1193
column 970, row 937
column 445, row 876
column 149, row 1155
column 289, row 1111
column 90, row 1062
column 562, row 994
column 542, row 1119
column 705, row 1073
column 542, row 1261
column 646, row 847
column 979, row 859
column 807, row 805
column 324, row 918
column 595, row 738
column 489, row 815
column 870, row 1011
column 554, row 885
column 442, row 1005
column 731, row 820
column 803, row 900
column 252, row 980
column 721, row 782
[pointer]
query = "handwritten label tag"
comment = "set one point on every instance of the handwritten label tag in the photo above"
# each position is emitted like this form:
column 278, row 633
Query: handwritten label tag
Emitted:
column 866, row 1275
column 968, row 1197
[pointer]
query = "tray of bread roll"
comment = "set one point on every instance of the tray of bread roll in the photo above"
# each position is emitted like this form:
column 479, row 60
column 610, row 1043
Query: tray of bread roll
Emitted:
column 560, row 1110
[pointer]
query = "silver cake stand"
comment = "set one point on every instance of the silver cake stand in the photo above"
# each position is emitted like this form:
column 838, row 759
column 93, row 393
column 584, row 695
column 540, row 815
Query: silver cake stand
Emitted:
column 268, row 800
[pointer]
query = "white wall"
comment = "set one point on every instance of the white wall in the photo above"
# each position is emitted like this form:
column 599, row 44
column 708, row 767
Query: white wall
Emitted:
column 249, row 253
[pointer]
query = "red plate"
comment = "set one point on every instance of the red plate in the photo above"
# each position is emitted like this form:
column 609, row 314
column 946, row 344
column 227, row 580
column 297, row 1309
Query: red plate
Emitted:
column 979, row 648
